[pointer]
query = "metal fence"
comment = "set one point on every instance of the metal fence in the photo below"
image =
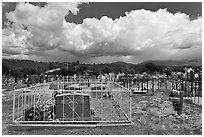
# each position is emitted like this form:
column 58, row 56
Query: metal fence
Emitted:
column 192, row 87
column 144, row 85
column 72, row 102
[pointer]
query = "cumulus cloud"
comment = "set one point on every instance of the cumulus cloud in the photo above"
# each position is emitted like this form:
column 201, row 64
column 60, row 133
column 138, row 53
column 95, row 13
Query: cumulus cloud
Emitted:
column 139, row 35
column 43, row 23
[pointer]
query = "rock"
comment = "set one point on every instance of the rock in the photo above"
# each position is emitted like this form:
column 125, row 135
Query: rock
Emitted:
column 144, row 109
column 199, row 123
column 189, row 112
column 178, row 117
column 200, row 115
column 167, row 111
column 153, row 111
column 183, row 115
column 176, row 122
column 139, row 112
column 163, row 126
column 143, row 102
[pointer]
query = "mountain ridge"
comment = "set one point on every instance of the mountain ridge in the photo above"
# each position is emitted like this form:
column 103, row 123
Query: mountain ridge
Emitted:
column 187, row 62
column 32, row 63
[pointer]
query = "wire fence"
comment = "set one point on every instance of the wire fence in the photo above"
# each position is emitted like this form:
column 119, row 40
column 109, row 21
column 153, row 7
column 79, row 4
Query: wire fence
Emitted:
column 69, row 101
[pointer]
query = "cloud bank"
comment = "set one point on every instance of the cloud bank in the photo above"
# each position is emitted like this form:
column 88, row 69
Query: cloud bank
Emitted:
column 43, row 33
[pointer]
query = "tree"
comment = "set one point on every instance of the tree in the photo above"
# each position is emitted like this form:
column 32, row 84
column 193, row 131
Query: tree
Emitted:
column 16, row 74
column 5, row 69
column 150, row 68
column 75, row 63
column 51, row 66
column 81, row 69
column 38, row 71
column 106, row 69
column 167, row 71
column 95, row 71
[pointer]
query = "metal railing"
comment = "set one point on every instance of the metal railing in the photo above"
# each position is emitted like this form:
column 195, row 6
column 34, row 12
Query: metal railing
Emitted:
column 192, row 88
column 92, row 101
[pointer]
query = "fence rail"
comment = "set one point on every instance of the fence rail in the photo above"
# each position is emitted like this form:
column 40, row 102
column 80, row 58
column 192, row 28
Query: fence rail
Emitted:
column 72, row 102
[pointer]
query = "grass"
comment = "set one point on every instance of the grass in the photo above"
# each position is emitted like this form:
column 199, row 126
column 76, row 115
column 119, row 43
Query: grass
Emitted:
column 152, row 115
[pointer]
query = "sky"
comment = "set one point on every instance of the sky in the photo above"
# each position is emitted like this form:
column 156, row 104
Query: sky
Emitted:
column 102, row 32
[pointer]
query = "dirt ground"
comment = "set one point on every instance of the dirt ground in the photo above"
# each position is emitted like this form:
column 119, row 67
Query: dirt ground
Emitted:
column 155, row 115
column 151, row 115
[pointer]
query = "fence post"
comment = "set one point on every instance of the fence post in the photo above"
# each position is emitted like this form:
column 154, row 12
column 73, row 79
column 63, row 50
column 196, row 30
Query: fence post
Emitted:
column 172, row 84
column 200, row 82
column 176, row 84
column 191, row 79
column 130, row 104
column 153, row 86
column 13, row 105
column 187, row 87
column 147, row 84
column 180, row 103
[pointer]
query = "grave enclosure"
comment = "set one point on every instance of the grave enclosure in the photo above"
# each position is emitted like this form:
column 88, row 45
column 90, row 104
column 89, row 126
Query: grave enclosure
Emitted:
column 69, row 102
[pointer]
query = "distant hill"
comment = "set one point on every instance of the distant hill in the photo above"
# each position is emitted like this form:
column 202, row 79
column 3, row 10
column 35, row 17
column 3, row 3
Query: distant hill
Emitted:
column 119, row 63
column 192, row 62
column 13, row 63
column 30, row 64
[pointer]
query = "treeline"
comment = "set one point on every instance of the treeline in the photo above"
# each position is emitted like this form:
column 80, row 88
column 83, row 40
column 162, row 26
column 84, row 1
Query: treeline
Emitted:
column 22, row 68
